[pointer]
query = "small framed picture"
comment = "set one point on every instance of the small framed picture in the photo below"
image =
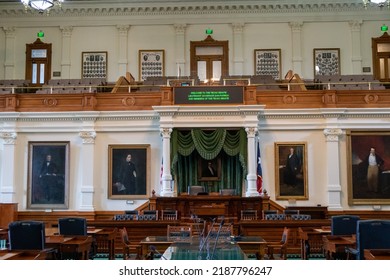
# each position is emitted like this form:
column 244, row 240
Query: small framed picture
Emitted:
column 151, row 63
column 48, row 175
column 94, row 65
column 291, row 171
column 368, row 167
column 209, row 170
column 128, row 172
column 268, row 62
column 326, row 62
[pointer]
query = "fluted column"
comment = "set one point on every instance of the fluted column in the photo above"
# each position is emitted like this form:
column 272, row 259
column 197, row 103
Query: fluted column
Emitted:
column 166, row 179
column 87, row 166
column 296, row 35
column 123, row 31
column 7, row 185
column 356, row 46
column 251, row 189
column 66, row 51
column 9, row 54
column 180, row 30
column 238, row 52
column 333, row 168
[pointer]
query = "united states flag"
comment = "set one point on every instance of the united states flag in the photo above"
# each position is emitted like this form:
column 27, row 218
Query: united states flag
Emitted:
column 259, row 181
column 161, row 170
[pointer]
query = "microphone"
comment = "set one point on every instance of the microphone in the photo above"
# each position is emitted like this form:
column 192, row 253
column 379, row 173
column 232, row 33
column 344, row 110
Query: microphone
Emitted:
column 204, row 240
column 217, row 237
column 154, row 250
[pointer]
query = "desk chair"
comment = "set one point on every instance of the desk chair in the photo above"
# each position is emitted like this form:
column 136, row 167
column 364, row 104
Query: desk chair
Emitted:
column 130, row 250
column 370, row 234
column 248, row 214
column 275, row 217
column 344, row 224
column 300, row 217
column 225, row 231
column 169, row 214
column 26, row 235
column 195, row 190
column 269, row 211
column 104, row 243
column 148, row 215
column 279, row 246
column 179, row 233
column 289, row 212
column 72, row 226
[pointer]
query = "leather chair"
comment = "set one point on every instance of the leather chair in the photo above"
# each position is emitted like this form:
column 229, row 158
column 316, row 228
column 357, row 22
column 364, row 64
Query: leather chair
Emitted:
column 179, row 233
column 370, row 234
column 26, row 235
column 344, row 224
column 72, row 226
column 275, row 217
column 279, row 247
column 169, row 214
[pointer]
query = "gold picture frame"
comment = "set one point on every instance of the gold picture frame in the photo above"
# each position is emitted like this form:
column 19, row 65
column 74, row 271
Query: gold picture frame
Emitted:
column 291, row 171
column 359, row 144
column 268, row 62
column 48, row 175
column 326, row 62
column 151, row 64
column 128, row 179
column 94, row 65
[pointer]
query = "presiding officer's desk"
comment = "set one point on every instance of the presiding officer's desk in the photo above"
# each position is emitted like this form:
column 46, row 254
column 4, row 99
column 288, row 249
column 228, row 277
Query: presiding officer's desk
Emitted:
column 193, row 250
column 248, row 244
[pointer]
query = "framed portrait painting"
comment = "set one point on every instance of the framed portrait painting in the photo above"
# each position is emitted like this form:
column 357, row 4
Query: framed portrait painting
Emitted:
column 151, row 63
column 291, row 171
column 48, row 175
column 268, row 62
column 128, row 172
column 326, row 62
column 94, row 65
column 368, row 167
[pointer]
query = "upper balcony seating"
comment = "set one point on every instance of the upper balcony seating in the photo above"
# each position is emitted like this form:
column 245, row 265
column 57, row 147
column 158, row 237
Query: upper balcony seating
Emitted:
column 13, row 86
column 349, row 82
column 88, row 85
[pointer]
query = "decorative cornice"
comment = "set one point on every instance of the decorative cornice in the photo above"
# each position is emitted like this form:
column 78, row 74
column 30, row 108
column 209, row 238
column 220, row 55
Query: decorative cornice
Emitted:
column 163, row 8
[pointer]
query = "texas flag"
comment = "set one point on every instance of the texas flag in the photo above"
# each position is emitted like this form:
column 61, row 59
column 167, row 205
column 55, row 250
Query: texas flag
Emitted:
column 259, row 181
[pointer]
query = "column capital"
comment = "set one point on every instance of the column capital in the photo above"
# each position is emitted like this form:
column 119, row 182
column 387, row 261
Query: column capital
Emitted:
column 251, row 131
column 180, row 28
column 66, row 30
column 332, row 134
column 296, row 26
column 238, row 27
column 8, row 137
column 355, row 25
column 166, row 132
column 88, row 137
column 123, row 29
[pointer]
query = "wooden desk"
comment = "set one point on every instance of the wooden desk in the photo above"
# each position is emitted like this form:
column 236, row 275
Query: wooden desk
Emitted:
column 45, row 254
column 78, row 248
column 377, row 254
column 334, row 245
column 104, row 242
column 311, row 241
column 248, row 244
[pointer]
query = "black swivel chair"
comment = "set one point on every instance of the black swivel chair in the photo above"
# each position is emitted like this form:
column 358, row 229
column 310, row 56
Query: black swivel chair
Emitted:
column 370, row 234
column 344, row 224
column 26, row 235
column 72, row 226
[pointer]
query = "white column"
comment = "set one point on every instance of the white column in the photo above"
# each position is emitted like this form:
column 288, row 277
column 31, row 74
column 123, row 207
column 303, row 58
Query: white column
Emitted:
column 356, row 46
column 87, row 167
column 9, row 64
column 123, row 31
column 238, row 52
column 333, row 177
column 8, row 172
column 180, row 42
column 166, row 179
column 251, row 189
column 296, row 35
column 66, row 51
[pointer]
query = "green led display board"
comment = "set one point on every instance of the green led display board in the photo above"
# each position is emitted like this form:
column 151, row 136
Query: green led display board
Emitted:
column 208, row 95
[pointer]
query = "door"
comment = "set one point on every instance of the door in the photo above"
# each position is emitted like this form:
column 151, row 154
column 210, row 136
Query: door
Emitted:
column 209, row 60
column 381, row 57
column 38, row 63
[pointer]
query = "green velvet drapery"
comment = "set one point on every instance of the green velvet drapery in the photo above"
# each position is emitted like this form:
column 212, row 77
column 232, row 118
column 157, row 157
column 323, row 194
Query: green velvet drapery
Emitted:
column 191, row 147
